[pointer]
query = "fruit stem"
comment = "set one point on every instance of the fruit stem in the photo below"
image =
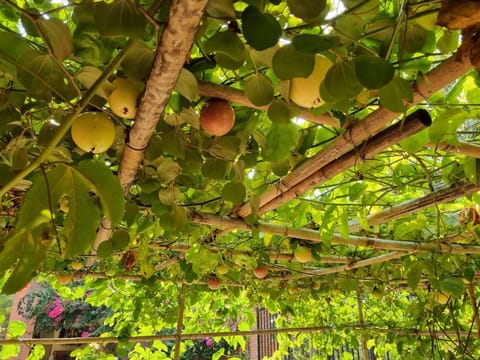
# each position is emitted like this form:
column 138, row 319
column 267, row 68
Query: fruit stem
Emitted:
column 65, row 126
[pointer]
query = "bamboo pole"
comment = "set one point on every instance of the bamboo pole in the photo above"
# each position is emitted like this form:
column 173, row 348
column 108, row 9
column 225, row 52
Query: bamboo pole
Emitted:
column 464, row 188
column 414, row 123
column 433, row 81
column 238, row 96
column 192, row 336
column 355, row 265
column 273, row 256
column 314, row 236
column 464, row 148
column 176, row 41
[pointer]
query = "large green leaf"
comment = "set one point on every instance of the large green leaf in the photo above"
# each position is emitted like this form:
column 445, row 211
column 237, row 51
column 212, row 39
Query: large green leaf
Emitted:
column 120, row 18
column 281, row 140
column 30, row 251
column 260, row 30
column 373, row 72
column 309, row 10
column 259, row 90
column 341, row 81
column 313, row 43
column 138, row 61
column 445, row 125
column 394, row 95
column 58, row 36
column 71, row 187
column 226, row 43
column 288, row 63
column 42, row 75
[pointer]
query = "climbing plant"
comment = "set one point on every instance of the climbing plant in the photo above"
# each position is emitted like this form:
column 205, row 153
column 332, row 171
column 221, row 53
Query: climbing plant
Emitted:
column 193, row 160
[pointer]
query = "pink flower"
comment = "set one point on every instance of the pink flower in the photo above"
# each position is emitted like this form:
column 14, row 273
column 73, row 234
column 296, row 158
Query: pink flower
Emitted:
column 85, row 334
column 209, row 342
column 57, row 310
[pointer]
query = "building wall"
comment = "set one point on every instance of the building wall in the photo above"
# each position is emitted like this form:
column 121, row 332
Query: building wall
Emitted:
column 14, row 315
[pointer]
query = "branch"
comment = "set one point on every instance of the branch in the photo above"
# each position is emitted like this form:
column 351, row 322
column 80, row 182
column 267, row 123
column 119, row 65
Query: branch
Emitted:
column 177, row 39
column 441, row 196
column 433, row 81
column 181, row 309
column 237, row 96
column 462, row 147
column 273, row 256
column 414, row 123
column 314, row 236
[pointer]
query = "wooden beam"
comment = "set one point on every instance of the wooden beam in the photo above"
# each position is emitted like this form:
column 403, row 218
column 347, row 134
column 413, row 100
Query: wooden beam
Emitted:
column 414, row 123
column 451, row 193
column 436, row 79
column 361, row 241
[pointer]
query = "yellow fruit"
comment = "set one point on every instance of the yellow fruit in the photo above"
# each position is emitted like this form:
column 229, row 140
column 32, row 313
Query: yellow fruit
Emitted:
column 302, row 254
column 64, row 278
column 377, row 293
column 123, row 98
column 76, row 265
column 93, row 132
column 306, row 91
column 222, row 269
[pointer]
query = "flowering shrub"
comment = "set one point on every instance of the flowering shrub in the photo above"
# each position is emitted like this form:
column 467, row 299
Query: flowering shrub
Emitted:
column 73, row 317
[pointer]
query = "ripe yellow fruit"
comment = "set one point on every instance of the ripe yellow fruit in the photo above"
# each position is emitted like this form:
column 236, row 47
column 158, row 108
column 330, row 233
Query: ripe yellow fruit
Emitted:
column 221, row 269
column 302, row 254
column 377, row 293
column 306, row 91
column 93, row 132
column 77, row 265
column 123, row 98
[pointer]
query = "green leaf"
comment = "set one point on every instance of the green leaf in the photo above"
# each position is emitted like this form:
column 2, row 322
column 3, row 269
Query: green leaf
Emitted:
column 452, row 286
column 260, row 30
column 215, row 169
column 167, row 170
column 105, row 184
column 449, row 41
column 373, row 72
column 313, row 43
column 415, row 142
column 9, row 254
column 43, row 76
column 414, row 38
column 414, row 275
column 72, row 187
column 234, row 192
column 307, row 10
column 278, row 112
column 348, row 284
column 226, row 43
column 187, row 85
column 12, row 46
column 30, row 252
column 220, row 9
column 445, row 125
column 87, row 77
column 395, row 93
column 471, row 167
column 288, row 63
column 120, row 239
column 120, row 18
column 225, row 147
column 16, row 329
column 259, row 90
column 58, row 37
column 138, row 61
column 281, row 140
column 341, row 81
column 105, row 249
